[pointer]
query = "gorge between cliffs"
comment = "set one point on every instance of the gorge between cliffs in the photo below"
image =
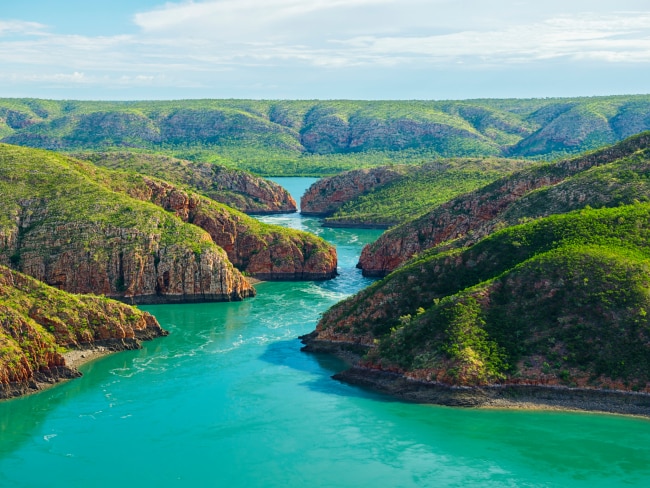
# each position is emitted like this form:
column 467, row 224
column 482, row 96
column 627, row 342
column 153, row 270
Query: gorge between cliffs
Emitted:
column 229, row 387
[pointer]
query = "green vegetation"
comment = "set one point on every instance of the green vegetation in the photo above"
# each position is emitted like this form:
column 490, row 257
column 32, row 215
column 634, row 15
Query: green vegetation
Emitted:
column 61, row 215
column 607, row 177
column 232, row 229
column 422, row 188
column 568, row 291
column 326, row 137
column 236, row 188
column 38, row 323
column 41, row 191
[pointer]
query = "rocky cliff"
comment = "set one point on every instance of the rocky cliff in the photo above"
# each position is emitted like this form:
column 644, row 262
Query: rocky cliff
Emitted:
column 465, row 219
column 558, row 302
column 60, row 226
column 261, row 251
column 327, row 195
column 235, row 188
column 39, row 323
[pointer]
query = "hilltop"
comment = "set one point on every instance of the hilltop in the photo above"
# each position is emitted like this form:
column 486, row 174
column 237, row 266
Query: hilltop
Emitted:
column 325, row 137
column 608, row 177
column 560, row 301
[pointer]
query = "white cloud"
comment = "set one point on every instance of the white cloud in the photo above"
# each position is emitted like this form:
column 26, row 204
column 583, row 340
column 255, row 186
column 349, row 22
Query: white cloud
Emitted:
column 194, row 43
column 19, row 27
column 625, row 37
column 224, row 12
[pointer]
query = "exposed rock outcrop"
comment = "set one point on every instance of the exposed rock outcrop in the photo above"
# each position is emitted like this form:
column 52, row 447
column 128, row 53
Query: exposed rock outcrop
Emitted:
column 236, row 188
column 264, row 252
column 37, row 323
column 468, row 218
column 67, row 230
column 327, row 195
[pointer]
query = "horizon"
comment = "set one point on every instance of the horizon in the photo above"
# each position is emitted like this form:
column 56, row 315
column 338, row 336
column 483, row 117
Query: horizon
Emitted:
column 144, row 100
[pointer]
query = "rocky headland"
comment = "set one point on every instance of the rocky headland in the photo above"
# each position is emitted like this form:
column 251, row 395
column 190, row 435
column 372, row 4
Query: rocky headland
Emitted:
column 261, row 251
column 540, row 300
column 567, row 186
column 69, row 231
column 39, row 325
column 236, row 188
column 558, row 304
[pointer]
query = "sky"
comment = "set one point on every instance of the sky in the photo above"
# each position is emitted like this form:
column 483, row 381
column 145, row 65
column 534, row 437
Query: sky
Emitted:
column 323, row 49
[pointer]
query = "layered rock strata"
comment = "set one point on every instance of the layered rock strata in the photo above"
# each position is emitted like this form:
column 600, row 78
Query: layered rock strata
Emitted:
column 261, row 251
column 236, row 188
column 470, row 217
column 38, row 323
column 68, row 230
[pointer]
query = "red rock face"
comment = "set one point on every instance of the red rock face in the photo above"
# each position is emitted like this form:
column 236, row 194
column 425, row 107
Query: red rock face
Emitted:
column 475, row 215
column 250, row 194
column 35, row 319
column 128, row 265
column 327, row 195
column 263, row 255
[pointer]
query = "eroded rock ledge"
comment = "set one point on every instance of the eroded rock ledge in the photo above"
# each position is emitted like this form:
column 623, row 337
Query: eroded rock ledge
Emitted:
column 518, row 396
column 39, row 323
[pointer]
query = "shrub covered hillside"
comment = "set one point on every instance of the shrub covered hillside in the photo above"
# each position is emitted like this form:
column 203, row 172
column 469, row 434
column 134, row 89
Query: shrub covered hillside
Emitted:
column 60, row 226
column 264, row 251
column 326, row 137
column 608, row 177
column 561, row 300
column 235, row 188
column 388, row 195
column 39, row 323
column 88, row 229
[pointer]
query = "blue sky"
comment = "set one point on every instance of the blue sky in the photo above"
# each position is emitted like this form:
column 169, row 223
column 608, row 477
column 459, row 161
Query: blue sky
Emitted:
column 354, row 49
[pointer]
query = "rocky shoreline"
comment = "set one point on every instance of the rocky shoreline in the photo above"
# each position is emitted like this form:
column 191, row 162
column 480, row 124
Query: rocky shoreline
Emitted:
column 74, row 359
column 506, row 396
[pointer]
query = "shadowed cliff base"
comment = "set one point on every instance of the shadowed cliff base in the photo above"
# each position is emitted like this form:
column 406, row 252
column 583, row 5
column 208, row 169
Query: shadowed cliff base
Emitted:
column 506, row 396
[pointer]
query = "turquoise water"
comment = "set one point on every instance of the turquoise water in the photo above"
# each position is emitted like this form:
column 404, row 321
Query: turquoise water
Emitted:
column 228, row 400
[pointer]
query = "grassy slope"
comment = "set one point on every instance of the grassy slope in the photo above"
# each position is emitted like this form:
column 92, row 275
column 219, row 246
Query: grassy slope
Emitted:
column 422, row 188
column 559, row 300
column 326, row 137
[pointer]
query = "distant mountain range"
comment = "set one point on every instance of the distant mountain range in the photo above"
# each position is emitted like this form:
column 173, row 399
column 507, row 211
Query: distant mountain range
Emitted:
column 320, row 137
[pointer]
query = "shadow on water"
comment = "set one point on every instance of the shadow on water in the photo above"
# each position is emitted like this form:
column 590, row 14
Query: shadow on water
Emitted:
column 321, row 367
